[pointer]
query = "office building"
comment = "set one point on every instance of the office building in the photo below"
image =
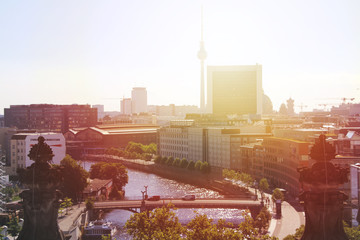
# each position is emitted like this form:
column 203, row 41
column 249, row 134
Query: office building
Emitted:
column 139, row 100
column 49, row 117
column 234, row 89
column 126, row 106
column 100, row 110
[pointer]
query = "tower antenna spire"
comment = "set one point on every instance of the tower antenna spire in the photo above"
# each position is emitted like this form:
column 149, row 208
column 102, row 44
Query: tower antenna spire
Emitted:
column 202, row 56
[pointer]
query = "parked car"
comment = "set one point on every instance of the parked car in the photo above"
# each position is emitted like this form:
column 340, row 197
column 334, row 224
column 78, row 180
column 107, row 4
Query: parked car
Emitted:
column 188, row 197
column 154, row 198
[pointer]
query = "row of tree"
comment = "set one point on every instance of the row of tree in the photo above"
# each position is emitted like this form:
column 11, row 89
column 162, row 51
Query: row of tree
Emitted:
column 238, row 176
column 134, row 151
column 162, row 223
column 183, row 163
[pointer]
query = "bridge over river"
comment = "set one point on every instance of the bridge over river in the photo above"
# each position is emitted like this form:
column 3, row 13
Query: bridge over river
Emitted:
column 133, row 205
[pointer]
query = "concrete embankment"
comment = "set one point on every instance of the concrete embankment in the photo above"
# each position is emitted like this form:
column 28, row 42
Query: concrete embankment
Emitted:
column 211, row 180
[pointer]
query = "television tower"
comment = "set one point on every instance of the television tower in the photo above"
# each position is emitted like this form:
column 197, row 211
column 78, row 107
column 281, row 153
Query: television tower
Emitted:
column 202, row 56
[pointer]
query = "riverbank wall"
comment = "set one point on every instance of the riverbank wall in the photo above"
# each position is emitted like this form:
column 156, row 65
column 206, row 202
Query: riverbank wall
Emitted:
column 212, row 180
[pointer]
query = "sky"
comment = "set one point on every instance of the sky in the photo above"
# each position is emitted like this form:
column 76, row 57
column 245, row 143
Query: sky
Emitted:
column 95, row 52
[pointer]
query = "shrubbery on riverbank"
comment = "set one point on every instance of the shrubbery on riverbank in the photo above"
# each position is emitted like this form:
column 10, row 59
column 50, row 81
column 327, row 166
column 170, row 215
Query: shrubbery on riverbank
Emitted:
column 200, row 166
column 134, row 151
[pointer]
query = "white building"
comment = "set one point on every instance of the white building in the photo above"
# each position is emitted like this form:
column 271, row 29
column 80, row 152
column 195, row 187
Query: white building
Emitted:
column 215, row 145
column 126, row 106
column 139, row 100
column 100, row 110
column 21, row 144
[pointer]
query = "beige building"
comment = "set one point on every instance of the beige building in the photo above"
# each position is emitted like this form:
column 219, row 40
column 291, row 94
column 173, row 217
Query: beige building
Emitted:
column 219, row 146
column 234, row 89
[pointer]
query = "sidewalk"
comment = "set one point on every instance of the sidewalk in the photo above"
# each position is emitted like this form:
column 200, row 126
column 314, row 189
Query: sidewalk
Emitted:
column 66, row 222
column 290, row 220
column 288, row 223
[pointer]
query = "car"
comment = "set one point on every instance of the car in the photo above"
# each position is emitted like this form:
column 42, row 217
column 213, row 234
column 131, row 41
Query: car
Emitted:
column 188, row 197
column 154, row 198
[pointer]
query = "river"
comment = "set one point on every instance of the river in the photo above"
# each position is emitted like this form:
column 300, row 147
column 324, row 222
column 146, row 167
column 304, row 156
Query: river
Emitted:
column 166, row 188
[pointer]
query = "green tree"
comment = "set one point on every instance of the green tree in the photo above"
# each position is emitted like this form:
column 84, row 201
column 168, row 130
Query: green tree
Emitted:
column 184, row 163
column 277, row 195
column 198, row 165
column 170, row 161
column 353, row 233
column 263, row 185
column 13, row 226
column 191, row 165
column 134, row 147
column 176, row 162
column 300, row 231
column 164, row 160
column 158, row 159
column 75, row 178
column 115, row 171
column 160, row 223
column 205, row 167
column 262, row 219
column 115, row 194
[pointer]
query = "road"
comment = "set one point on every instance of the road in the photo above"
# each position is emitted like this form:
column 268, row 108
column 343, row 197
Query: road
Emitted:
column 179, row 203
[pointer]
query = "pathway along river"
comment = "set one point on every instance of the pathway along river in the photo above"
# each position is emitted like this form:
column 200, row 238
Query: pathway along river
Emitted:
column 165, row 188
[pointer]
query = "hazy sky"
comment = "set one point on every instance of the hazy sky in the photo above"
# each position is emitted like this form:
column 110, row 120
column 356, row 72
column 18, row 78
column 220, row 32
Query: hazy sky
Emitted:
column 94, row 52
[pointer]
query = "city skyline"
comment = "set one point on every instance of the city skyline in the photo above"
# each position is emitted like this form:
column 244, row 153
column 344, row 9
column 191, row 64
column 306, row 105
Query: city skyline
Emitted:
column 86, row 52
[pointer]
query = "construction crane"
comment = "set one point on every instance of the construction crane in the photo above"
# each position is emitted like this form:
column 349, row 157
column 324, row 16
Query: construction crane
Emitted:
column 345, row 99
column 301, row 106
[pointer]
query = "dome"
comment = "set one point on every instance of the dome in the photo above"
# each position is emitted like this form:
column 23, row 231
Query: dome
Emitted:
column 267, row 107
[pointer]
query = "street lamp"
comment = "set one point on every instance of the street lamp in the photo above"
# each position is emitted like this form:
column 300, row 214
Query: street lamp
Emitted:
column 256, row 186
column 146, row 193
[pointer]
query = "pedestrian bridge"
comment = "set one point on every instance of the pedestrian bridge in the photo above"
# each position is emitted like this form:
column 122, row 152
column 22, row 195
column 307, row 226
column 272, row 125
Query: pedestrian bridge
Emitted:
column 133, row 205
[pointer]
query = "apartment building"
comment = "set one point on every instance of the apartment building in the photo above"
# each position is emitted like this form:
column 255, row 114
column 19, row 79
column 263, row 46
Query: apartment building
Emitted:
column 21, row 144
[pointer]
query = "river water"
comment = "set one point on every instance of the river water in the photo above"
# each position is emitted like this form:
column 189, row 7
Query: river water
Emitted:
column 166, row 188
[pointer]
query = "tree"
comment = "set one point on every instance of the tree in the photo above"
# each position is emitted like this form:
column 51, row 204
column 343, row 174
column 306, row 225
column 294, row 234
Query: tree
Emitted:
column 205, row 167
column 184, row 163
column 277, row 195
column 158, row 159
column 115, row 193
column 262, row 219
column 164, row 160
column 161, row 223
column 299, row 232
column 95, row 170
column 13, row 226
column 134, row 147
column 115, row 171
column 75, row 178
column 170, row 161
column 191, row 165
column 263, row 185
column 198, row 165
column 353, row 233
column 176, row 162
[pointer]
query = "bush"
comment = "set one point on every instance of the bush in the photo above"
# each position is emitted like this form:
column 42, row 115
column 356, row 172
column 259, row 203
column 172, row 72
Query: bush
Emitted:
column 170, row 161
column 198, row 165
column 158, row 159
column 176, row 163
column 184, row 163
column 191, row 165
column 205, row 167
column 164, row 160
